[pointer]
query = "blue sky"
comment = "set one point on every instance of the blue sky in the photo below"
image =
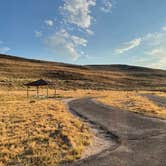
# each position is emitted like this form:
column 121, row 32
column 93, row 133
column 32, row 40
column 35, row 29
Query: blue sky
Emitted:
column 86, row 31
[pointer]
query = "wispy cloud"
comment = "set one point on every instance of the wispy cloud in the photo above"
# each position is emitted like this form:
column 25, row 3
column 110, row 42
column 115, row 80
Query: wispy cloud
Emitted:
column 155, row 44
column 49, row 22
column 38, row 33
column 106, row 6
column 128, row 46
column 164, row 28
column 158, row 55
column 90, row 32
column 4, row 49
column 155, row 39
column 153, row 49
column 149, row 40
column 158, row 52
column 66, row 43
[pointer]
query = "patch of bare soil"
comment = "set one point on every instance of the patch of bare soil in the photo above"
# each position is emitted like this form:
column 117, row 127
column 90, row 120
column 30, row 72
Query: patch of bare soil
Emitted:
column 101, row 141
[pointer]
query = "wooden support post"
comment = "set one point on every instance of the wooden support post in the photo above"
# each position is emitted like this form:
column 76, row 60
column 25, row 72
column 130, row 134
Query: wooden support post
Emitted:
column 55, row 91
column 37, row 91
column 47, row 90
column 27, row 92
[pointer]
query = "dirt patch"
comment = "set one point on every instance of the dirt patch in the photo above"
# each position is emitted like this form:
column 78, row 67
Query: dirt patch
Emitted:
column 101, row 141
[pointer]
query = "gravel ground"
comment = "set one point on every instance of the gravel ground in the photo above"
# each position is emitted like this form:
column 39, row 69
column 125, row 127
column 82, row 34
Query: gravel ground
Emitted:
column 140, row 140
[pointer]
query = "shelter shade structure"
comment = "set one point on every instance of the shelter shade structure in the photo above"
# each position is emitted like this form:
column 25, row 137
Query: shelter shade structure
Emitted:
column 40, row 83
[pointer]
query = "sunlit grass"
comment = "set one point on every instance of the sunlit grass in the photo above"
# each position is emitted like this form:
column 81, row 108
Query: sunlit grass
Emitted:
column 42, row 132
column 133, row 101
column 38, row 132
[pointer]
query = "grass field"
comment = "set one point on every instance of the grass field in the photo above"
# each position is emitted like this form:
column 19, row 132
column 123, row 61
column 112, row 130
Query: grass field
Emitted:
column 38, row 132
column 41, row 131
column 135, row 101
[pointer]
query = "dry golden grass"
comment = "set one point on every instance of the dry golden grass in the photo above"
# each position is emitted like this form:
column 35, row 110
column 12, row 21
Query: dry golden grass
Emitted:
column 38, row 132
column 134, row 101
column 42, row 132
column 14, row 72
column 160, row 94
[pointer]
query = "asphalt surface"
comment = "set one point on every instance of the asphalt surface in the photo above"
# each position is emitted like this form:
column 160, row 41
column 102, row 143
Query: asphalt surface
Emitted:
column 159, row 100
column 141, row 141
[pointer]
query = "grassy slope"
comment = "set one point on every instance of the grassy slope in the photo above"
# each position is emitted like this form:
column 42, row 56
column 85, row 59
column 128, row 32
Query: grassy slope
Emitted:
column 16, row 71
column 37, row 139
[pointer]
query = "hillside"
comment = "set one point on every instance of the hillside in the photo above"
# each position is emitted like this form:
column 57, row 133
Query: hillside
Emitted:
column 15, row 71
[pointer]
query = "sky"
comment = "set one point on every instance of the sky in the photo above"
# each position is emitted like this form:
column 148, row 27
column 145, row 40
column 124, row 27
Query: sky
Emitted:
column 129, row 32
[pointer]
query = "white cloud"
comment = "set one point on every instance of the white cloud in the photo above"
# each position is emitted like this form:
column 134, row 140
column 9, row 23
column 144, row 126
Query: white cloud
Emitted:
column 77, row 12
column 77, row 40
column 164, row 28
column 149, row 40
column 38, row 33
column 49, row 22
column 4, row 49
column 159, row 56
column 90, row 32
column 160, row 63
column 66, row 43
column 107, row 6
column 76, row 15
column 154, row 39
column 128, row 46
column 155, row 43
column 161, row 52
column 153, row 50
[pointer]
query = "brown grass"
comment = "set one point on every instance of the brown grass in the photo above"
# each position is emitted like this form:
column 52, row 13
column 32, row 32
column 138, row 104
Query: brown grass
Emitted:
column 38, row 132
column 42, row 131
column 134, row 101
column 16, row 71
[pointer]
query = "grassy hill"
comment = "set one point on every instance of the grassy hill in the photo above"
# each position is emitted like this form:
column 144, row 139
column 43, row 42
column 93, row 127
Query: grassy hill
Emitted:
column 37, row 131
column 15, row 71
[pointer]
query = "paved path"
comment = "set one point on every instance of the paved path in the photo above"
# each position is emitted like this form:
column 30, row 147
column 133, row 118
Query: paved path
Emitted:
column 141, row 140
column 159, row 100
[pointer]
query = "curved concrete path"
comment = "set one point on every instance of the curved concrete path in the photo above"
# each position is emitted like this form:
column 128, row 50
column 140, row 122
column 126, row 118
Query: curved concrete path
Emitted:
column 141, row 140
